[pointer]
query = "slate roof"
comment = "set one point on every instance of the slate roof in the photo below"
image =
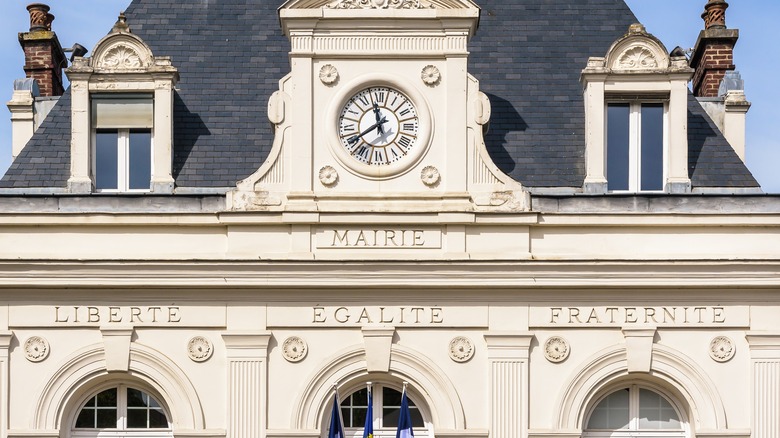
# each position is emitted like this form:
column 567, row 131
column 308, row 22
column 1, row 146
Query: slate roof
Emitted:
column 527, row 54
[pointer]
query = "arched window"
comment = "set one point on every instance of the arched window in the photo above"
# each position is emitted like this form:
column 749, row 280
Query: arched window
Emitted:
column 121, row 411
column 635, row 412
column 387, row 408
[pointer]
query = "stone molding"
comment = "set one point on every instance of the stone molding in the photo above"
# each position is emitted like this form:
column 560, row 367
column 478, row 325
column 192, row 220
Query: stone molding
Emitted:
column 670, row 369
column 81, row 371
column 348, row 368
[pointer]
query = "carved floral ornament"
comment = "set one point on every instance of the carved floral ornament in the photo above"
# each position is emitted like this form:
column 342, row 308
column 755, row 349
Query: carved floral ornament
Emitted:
column 637, row 58
column 380, row 4
column 121, row 57
column 36, row 349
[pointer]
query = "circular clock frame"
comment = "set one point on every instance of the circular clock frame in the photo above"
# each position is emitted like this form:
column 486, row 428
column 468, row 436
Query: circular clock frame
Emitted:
column 384, row 171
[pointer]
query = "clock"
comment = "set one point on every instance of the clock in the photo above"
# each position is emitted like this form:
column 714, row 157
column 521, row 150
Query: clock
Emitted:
column 378, row 126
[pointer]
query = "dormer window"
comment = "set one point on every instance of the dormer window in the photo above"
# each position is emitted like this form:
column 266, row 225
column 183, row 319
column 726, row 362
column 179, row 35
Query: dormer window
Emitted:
column 636, row 103
column 122, row 116
column 122, row 138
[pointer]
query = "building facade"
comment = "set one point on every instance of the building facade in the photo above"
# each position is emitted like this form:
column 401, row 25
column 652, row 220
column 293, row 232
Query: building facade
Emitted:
column 517, row 211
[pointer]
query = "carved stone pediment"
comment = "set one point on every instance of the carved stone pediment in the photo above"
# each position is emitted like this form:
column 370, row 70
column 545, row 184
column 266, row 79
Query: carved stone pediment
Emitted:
column 637, row 51
column 121, row 52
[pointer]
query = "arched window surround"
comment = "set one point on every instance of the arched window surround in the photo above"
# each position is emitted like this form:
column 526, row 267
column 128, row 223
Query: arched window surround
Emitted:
column 639, row 383
column 122, row 385
column 380, row 380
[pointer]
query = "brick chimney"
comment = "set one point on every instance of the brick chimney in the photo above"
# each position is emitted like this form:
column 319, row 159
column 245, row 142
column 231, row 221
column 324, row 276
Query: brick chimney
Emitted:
column 43, row 55
column 713, row 54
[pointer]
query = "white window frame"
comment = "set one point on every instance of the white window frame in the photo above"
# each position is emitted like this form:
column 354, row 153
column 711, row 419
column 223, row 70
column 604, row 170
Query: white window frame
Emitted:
column 123, row 160
column 633, row 430
column 121, row 430
column 388, row 431
column 635, row 143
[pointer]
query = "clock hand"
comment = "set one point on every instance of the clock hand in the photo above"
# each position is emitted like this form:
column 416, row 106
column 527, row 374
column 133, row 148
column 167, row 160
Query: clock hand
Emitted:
column 355, row 139
column 377, row 114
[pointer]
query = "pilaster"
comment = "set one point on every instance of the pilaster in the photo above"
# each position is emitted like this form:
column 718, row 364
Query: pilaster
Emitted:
column 508, row 357
column 5, row 343
column 247, row 383
column 765, row 370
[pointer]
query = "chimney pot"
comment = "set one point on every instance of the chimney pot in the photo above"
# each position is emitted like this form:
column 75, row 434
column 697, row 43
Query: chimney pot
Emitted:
column 715, row 14
column 39, row 16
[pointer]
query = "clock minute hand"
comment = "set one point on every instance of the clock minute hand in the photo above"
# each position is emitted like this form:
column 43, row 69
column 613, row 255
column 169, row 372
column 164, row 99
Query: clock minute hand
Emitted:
column 355, row 139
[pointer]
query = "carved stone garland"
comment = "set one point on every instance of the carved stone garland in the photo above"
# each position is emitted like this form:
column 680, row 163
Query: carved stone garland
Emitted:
column 294, row 349
column 722, row 349
column 36, row 349
column 461, row 349
column 556, row 349
column 380, row 4
column 199, row 349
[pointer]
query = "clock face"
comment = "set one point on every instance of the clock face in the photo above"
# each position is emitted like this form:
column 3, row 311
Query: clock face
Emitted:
column 378, row 126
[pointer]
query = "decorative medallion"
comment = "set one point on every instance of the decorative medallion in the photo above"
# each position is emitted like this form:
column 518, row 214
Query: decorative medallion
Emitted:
column 328, row 176
column 294, row 349
column 556, row 349
column 380, row 4
column 637, row 58
column 122, row 57
column 199, row 349
column 431, row 75
column 722, row 349
column 430, row 176
column 329, row 74
column 461, row 349
column 36, row 349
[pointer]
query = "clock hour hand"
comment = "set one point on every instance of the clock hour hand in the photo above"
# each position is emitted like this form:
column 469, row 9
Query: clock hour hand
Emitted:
column 356, row 138
column 377, row 114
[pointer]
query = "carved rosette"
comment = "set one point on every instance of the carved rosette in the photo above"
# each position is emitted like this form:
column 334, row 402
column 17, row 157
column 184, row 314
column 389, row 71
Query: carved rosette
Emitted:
column 121, row 57
column 329, row 176
column 329, row 74
column 380, row 4
column 722, row 349
column 294, row 349
column 556, row 349
column 461, row 349
column 199, row 349
column 431, row 75
column 430, row 176
column 36, row 349
column 637, row 58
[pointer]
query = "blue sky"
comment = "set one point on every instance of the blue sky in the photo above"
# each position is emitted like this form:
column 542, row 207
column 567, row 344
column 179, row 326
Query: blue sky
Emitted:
column 675, row 22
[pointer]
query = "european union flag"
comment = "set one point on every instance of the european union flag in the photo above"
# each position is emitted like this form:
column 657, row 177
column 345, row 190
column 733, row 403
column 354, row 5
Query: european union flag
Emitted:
column 336, row 430
column 405, row 419
column 368, row 429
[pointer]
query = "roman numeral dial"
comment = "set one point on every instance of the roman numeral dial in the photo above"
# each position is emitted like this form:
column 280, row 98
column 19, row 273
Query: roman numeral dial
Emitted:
column 378, row 126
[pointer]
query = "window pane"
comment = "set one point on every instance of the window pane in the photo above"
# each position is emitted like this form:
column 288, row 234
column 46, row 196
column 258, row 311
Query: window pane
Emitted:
column 157, row 418
column 106, row 145
column 612, row 412
column 136, row 398
column 86, row 419
column 107, row 398
column 618, row 146
column 391, row 397
column 136, row 418
column 140, row 160
column 106, row 418
column 652, row 146
column 655, row 412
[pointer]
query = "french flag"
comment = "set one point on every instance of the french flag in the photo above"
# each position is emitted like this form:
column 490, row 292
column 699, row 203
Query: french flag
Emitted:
column 405, row 419
column 336, row 429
